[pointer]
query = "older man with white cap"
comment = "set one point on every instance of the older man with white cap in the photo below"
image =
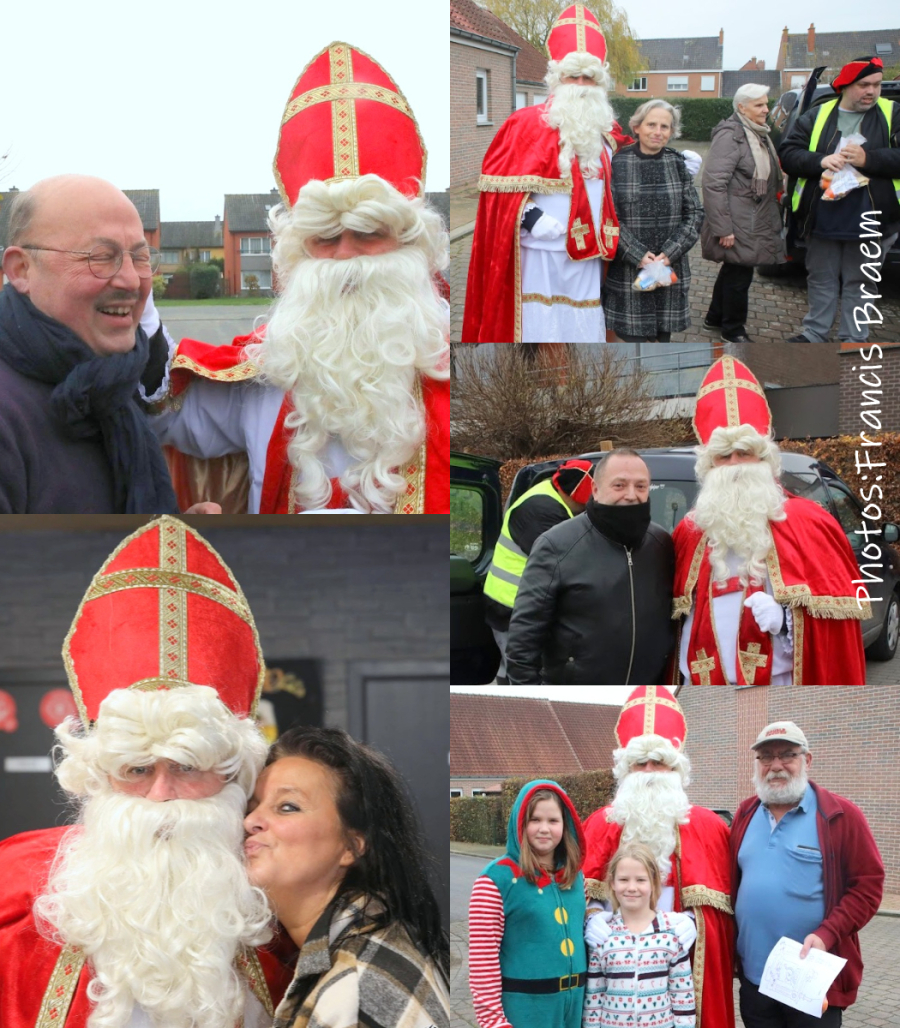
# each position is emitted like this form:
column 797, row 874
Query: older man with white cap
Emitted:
column 804, row 865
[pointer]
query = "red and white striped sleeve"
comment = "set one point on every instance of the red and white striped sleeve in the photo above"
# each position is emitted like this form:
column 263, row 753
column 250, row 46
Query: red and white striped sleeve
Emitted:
column 486, row 923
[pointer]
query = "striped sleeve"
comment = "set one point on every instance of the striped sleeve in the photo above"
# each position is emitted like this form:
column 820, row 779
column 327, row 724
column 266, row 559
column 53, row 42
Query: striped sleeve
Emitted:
column 486, row 922
column 681, row 991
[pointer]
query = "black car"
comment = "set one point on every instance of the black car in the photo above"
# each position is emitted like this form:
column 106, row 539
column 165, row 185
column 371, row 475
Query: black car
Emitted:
column 782, row 118
column 672, row 495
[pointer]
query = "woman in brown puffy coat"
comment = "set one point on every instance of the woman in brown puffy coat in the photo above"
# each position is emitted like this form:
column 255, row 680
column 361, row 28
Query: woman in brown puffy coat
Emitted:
column 742, row 227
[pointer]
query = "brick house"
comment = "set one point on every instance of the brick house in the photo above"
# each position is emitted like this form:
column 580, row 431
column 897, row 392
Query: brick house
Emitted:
column 248, row 243
column 882, row 383
column 799, row 53
column 497, row 737
column 852, row 736
column 677, row 67
column 189, row 242
column 493, row 72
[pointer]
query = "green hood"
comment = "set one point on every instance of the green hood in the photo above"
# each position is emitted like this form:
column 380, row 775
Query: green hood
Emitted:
column 514, row 827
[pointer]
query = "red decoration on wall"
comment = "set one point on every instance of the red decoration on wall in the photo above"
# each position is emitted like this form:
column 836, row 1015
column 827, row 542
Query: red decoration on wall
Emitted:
column 8, row 720
column 56, row 706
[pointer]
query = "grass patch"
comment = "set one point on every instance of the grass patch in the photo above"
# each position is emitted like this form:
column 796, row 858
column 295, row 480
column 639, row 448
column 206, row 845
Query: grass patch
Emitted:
column 221, row 301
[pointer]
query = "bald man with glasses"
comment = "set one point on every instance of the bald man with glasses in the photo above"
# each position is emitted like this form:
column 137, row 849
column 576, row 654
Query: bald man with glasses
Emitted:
column 804, row 865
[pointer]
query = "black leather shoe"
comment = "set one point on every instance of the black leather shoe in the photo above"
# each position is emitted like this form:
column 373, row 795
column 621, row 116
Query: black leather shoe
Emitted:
column 801, row 338
column 737, row 339
column 711, row 324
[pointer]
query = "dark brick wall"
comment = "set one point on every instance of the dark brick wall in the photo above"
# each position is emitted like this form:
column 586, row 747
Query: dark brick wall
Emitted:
column 349, row 593
column 852, row 735
column 852, row 389
column 470, row 140
column 789, row 364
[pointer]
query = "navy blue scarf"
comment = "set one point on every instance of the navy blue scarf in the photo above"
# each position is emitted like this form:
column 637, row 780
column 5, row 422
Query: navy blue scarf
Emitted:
column 94, row 396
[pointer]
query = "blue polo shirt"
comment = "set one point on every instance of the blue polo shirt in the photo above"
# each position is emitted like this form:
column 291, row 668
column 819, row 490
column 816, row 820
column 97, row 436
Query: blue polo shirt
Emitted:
column 781, row 890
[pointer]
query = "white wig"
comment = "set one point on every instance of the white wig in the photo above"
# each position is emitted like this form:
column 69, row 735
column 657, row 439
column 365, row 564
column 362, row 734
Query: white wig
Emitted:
column 575, row 64
column 724, row 441
column 188, row 725
column 651, row 747
column 748, row 93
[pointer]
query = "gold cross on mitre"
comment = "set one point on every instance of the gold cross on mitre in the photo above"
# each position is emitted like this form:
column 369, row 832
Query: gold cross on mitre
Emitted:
column 751, row 659
column 581, row 23
column 731, row 383
column 579, row 231
column 702, row 666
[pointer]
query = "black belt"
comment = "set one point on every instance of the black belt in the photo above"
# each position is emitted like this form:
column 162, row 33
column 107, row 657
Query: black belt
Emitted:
column 537, row 986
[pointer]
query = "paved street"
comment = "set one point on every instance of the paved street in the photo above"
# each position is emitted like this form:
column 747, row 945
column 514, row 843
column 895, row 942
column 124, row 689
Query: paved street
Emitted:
column 211, row 323
column 877, row 1006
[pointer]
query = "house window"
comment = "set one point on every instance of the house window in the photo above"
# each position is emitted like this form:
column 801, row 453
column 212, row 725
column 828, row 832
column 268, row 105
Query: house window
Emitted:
column 170, row 257
column 639, row 85
column 481, row 792
column 798, row 81
column 521, row 100
column 538, row 98
column 256, row 244
column 677, row 84
column 204, row 256
column 707, row 83
column 481, row 96
column 454, row 793
column 263, row 279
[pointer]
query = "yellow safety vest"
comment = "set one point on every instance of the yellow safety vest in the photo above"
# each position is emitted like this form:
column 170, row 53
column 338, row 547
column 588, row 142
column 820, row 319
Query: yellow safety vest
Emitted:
column 824, row 111
column 505, row 572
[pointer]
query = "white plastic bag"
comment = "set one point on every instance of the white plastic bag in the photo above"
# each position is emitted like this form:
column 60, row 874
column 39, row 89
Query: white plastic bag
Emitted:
column 837, row 184
column 654, row 275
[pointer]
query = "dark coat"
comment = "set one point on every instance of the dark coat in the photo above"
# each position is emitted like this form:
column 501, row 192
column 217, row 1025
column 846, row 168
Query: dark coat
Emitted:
column 732, row 208
column 882, row 164
column 658, row 210
column 578, row 615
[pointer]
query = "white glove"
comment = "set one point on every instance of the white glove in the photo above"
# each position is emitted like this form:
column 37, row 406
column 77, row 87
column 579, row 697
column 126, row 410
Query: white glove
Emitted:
column 768, row 612
column 596, row 930
column 685, row 930
column 547, row 227
column 150, row 317
column 693, row 160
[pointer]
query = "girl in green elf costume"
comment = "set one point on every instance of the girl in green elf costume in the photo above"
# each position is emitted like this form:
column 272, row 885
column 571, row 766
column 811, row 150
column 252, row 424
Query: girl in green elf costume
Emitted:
column 527, row 961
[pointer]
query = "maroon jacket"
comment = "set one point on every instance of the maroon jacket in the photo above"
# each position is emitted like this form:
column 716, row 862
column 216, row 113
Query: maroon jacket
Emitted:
column 853, row 881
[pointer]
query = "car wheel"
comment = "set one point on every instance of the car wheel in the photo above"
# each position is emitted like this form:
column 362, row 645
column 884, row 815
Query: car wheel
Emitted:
column 885, row 646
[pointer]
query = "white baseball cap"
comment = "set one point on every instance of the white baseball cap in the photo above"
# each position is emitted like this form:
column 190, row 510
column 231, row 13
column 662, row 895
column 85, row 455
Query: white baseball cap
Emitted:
column 781, row 731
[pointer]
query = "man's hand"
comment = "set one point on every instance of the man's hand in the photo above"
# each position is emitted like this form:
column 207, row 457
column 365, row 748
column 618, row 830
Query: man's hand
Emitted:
column 685, row 930
column 835, row 161
column 727, row 241
column 768, row 612
column 547, row 227
column 207, row 507
column 855, row 155
column 596, row 928
column 811, row 941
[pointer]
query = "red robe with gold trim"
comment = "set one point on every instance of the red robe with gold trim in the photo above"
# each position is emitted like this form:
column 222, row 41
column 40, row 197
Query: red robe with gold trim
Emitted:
column 28, row 960
column 428, row 480
column 522, row 159
column 811, row 570
column 701, row 876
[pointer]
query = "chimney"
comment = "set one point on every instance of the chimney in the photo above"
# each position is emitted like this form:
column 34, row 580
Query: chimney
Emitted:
column 721, row 37
column 761, row 66
column 811, row 39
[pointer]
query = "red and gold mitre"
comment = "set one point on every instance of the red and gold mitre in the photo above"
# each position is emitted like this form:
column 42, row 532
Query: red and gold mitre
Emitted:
column 346, row 117
column 163, row 612
column 576, row 30
column 651, row 710
column 729, row 396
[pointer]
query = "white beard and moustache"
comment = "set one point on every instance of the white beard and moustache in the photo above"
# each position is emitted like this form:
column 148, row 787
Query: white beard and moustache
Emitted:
column 649, row 805
column 581, row 114
column 789, row 795
column 348, row 340
column 735, row 504
column 157, row 896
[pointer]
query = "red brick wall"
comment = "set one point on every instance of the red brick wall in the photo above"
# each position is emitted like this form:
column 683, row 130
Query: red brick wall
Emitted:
column 470, row 140
column 852, row 389
column 657, row 84
column 853, row 737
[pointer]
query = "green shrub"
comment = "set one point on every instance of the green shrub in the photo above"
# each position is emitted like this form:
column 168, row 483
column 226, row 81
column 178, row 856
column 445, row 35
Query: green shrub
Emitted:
column 478, row 819
column 204, row 281
column 159, row 287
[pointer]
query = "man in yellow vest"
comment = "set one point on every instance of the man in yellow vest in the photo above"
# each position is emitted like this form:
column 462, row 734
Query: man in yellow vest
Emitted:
column 846, row 238
column 541, row 507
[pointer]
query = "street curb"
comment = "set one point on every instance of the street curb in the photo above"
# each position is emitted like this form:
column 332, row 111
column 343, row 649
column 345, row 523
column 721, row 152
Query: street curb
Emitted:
column 463, row 230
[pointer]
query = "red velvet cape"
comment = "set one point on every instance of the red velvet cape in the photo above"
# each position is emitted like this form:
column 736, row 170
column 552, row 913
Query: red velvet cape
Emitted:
column 523, row 158
column 229, row 364
column 28, row 959
column 811, row 569
column 702, row 873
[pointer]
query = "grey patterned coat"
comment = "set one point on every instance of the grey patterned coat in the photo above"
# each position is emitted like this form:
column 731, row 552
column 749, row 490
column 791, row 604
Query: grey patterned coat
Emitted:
column 658, row 210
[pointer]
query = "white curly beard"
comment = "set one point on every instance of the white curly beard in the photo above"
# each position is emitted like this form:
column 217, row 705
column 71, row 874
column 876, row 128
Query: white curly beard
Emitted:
column 648, row 805
column 348, row 339
column 581, row 114
column 157, row 896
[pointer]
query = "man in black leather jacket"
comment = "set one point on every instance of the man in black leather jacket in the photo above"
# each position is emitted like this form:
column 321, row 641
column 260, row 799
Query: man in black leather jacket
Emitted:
column 594, row 605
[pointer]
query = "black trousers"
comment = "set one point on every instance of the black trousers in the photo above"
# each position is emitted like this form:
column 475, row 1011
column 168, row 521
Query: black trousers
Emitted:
column 661, row 337
column 729, row 299
column 759, row 1011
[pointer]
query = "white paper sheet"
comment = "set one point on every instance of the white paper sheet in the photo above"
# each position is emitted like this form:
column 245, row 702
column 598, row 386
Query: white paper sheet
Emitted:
column 801, row 984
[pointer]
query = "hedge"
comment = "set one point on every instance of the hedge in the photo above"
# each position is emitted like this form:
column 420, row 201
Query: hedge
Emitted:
column 699, row 115
column 477, row 819
column 588, row 790
column 204, row 281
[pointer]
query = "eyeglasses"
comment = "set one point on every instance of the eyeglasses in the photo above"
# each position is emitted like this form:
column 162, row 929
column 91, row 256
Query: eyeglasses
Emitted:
column 783, row 757
column 105, row 261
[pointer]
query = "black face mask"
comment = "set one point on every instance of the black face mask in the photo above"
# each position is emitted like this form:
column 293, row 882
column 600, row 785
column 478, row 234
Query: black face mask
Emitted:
column 625, row 524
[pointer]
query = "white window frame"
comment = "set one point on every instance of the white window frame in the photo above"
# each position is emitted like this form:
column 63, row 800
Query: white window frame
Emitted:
column 521, row 100
column 204, row 256
column 264, row 277
column 455, row 793
column 166, row 254
column 481, row 115
column 677, row 84
column 538, row 98
column 265, row 245
column 704, row 79
column 798, row 81
column 642, row 88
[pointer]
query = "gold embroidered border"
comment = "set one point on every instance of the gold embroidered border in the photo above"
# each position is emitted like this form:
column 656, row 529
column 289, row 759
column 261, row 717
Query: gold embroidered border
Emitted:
column 343, row 115
column 730, row 383
column 172, row 603
column 550, row 301
column 517, row 264
column 799, row 618
column 658, row 701
column 350, row 91
column 61, row 988
column 524, row 184
column 594, row 888
column 240, row 372
column 580, row 23
column 681, row 605
column 248, row 965
column 183, row 581
column 698, row 964
column 412, row 498
column 845, row 607
column 701, row 896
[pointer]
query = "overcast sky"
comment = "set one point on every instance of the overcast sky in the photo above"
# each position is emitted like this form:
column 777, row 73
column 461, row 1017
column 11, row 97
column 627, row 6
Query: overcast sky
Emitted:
column 614, row 694
column 187, row 97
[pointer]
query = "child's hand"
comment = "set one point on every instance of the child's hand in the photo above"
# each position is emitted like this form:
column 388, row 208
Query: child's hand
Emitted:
column 596, row 929
column 685, row 930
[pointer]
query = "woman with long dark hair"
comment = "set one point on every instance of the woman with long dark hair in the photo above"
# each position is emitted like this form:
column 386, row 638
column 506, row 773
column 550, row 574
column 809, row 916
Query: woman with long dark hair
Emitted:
column 333, row 840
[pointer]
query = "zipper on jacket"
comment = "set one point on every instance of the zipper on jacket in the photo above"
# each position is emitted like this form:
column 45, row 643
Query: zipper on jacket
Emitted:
column 633, row 615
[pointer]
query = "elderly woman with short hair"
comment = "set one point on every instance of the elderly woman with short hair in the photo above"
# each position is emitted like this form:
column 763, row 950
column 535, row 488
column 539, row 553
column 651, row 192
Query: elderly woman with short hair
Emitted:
column 659, row 220
column 741, row 180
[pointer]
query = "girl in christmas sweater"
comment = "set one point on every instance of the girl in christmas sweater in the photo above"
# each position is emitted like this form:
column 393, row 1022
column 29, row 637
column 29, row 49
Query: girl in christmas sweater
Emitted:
column 527, row 959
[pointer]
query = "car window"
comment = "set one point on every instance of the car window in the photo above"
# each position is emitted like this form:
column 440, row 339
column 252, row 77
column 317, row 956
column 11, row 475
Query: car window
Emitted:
column 849, row 514
column 466, row 522
column 808, row 485
column 670, row 501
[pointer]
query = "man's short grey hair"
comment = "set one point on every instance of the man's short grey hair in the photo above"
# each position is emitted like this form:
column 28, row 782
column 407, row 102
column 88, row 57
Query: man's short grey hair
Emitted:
column 748, row 93
column 647, row 107
column 622, row 451
column 22, row 209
